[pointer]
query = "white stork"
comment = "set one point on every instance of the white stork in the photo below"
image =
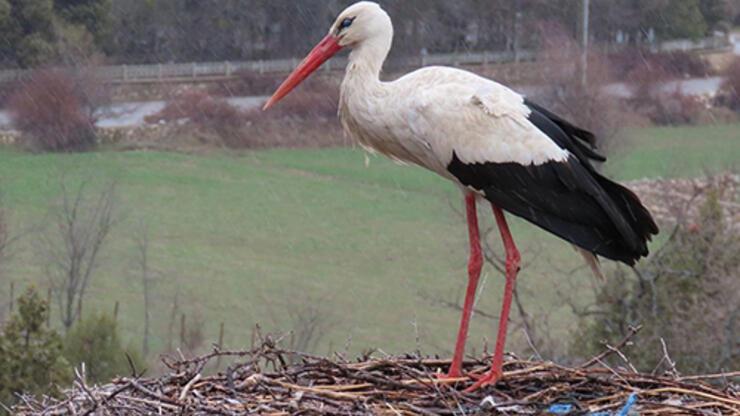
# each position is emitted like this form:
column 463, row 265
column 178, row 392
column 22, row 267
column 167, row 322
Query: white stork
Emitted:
column 489, row 140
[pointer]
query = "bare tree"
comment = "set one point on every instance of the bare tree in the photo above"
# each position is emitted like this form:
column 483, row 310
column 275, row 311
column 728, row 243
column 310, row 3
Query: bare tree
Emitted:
column 174, row 312
column 534, row 328
column 4, row 241
column 310, row 320
column 4, row 236
column 81, row 221
column 192, row 331
column 141, row 240
column 7, row 240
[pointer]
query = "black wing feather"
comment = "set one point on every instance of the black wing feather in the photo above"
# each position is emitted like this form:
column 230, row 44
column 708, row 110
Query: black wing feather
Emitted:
column 567, row 127
column 578, row 141
column 567, row 198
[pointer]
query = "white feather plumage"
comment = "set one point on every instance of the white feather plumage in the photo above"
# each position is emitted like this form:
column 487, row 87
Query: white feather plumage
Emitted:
column 425, row 116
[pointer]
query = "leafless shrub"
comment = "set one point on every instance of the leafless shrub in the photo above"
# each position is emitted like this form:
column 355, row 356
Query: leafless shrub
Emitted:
column 647, row 73
column 4, row 242
column 677, row 108
column 94, row 93
column 7, row 90
column 660, row 106
column 686, row 295
column 683, row 63
column 81, row 221
column 8, row 239
column 4, row 235
column 670, row 65
column 212, row 119
column 55, row 110
column 729, row 95
column 147, row 275
column 192, row 332
column 199, row 108
column 311, row 320
column 314, row 99
column 588, row 104
column 248, row 83
column 530, row 332
column 304, row 321
column 172, row 321
column 645, row 81
column 305, row 118
column 185, row 329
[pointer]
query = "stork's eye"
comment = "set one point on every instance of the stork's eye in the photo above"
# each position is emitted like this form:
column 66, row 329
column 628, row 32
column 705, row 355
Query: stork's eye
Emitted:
column 347, row 22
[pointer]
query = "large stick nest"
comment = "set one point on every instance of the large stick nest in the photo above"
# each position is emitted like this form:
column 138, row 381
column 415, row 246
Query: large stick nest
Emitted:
column 271, row 381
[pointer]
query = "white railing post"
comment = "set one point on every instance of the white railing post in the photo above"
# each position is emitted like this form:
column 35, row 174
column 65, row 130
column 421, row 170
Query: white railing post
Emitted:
column 227, row 65
column 195, row 70
column 160, row 74
column 125, row 73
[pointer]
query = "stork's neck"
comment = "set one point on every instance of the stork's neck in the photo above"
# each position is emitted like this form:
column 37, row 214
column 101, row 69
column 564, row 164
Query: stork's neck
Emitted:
column 366, row 59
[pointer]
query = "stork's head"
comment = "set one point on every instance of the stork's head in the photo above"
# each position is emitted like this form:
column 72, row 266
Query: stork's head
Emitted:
column 361, row 24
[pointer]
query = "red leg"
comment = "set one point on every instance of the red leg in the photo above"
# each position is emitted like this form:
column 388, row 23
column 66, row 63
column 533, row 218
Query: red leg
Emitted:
column 475, row 263
column 512, row 268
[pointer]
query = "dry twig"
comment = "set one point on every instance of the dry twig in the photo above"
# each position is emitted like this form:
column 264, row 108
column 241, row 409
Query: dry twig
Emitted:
column 389, row 385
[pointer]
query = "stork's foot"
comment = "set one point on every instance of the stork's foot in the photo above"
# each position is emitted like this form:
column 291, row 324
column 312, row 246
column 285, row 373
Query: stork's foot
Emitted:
column 450, row 376
column 490, row 378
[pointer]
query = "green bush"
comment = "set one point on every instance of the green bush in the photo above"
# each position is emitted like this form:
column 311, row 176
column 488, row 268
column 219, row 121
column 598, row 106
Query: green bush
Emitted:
column 31, row 358
column 95, row 342
column 687, row 295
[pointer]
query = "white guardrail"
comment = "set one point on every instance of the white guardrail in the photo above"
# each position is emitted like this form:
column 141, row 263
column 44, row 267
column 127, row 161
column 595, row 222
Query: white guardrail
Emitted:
column 228, row 69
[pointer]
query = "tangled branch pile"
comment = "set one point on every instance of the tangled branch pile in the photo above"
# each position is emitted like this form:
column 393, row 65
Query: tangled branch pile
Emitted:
column 673, row 200
column 264, row 381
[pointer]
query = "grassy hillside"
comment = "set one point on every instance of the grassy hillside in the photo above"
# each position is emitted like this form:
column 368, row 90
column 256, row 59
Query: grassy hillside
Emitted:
column 676, row 151
column 253, row 238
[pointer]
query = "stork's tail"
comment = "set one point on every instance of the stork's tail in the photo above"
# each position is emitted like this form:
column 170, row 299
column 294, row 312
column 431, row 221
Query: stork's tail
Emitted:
column 633, row 211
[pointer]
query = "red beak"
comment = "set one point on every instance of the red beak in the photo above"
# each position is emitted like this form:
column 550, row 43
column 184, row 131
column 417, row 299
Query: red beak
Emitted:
column 327, row 48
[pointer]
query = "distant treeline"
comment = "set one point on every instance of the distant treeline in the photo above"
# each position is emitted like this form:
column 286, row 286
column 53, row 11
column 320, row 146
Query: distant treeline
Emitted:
column 42, row 32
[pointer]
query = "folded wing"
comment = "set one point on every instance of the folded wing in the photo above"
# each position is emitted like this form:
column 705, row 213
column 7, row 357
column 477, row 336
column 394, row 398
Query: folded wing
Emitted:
column 537, row 166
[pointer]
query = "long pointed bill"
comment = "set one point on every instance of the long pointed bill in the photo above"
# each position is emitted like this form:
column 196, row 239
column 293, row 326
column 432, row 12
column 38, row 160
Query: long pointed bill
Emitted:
column 327, row 48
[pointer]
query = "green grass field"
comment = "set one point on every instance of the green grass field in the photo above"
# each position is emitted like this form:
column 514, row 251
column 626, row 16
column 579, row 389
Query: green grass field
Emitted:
column 252, row 238
column 677, row 152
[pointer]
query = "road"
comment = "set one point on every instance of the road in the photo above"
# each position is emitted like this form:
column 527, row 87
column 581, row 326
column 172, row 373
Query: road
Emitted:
column 132, row 114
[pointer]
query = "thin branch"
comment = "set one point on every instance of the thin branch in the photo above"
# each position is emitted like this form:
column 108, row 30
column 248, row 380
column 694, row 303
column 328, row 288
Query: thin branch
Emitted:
column 611, row 350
